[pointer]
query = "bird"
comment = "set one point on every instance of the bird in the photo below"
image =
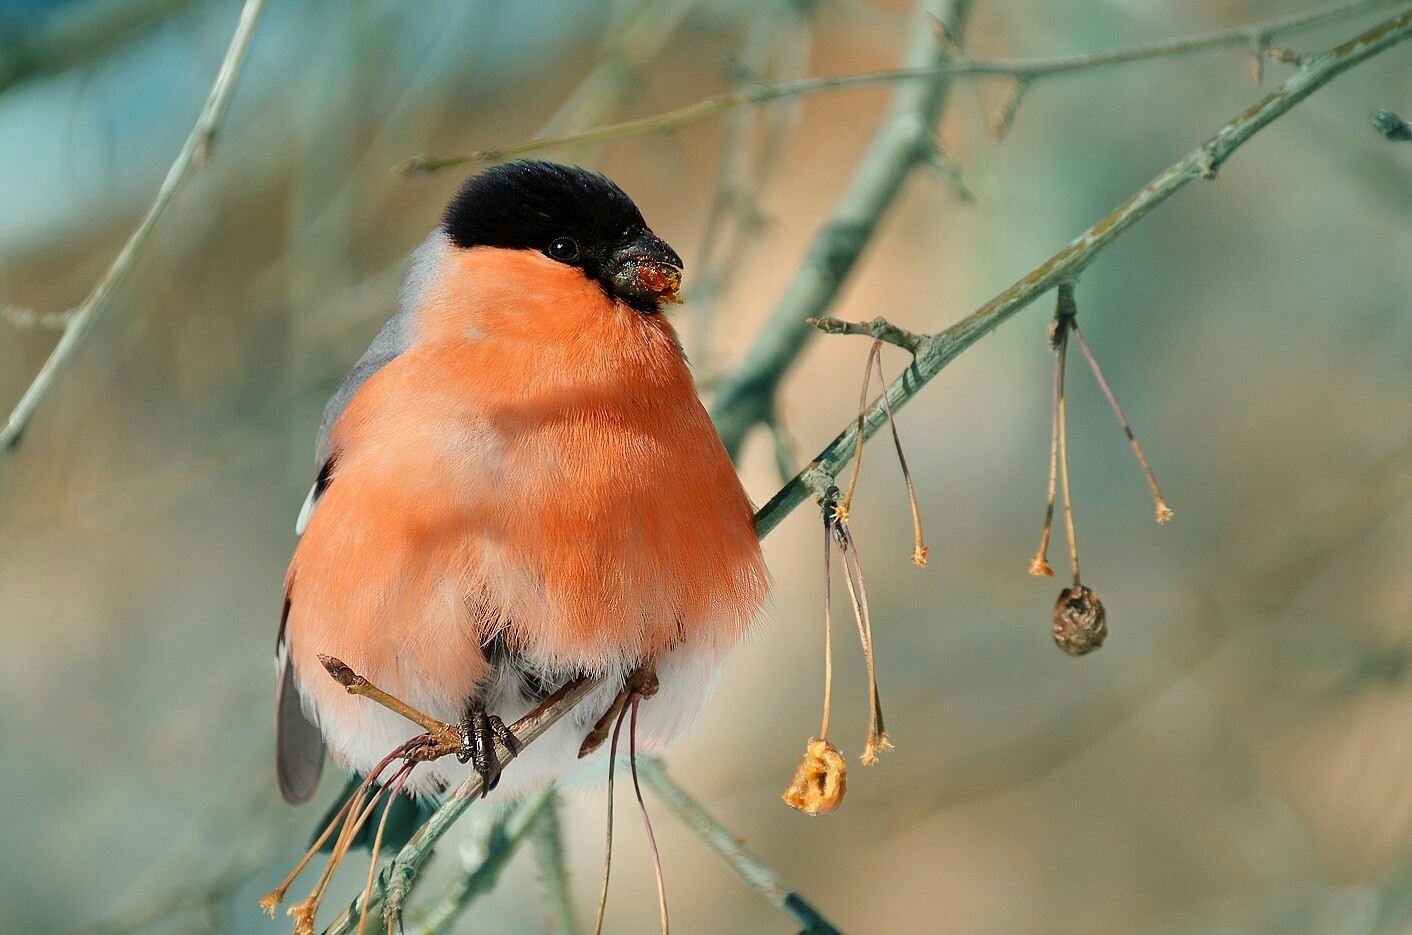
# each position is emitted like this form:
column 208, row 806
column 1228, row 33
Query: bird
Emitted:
column 517, row 485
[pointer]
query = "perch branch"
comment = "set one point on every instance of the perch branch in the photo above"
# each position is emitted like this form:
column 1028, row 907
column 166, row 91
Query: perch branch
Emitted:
column 397, row 877
column 746, row 865
column 1202, row 162
column 506, row 836
column 195, row 153
column 1024, row 71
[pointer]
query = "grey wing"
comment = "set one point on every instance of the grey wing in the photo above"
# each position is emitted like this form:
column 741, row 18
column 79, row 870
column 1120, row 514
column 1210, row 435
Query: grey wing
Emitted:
column 299, row 747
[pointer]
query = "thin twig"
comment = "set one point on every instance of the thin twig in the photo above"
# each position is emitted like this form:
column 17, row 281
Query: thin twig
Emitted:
column 751, row 871
column 1068, row 262
column 879, row 329
column 195, row 153
column 1023, row 70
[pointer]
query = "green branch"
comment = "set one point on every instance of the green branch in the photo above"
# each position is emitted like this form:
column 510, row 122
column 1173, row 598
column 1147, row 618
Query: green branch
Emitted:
column 936, row 351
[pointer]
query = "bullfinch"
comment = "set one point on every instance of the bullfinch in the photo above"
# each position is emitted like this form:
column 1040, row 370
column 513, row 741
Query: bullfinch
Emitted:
column 515, row 486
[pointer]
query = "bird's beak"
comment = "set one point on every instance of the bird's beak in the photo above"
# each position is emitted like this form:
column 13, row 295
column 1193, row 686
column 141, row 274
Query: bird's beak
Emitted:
column 647, row 272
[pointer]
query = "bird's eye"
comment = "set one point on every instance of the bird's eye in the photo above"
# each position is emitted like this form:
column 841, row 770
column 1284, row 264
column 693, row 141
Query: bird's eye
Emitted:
column 563, row 249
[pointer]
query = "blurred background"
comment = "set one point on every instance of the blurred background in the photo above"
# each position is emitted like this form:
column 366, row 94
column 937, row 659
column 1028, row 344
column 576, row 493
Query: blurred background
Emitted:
column 1237, row 759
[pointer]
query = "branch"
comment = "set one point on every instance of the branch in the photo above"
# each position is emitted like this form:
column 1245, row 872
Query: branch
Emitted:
column 1025, row 71
column 879, row 329
column 394, row 881
column 746, row 865
column 1202, row 162
column 547, row 843
column 195, row 153
column 506, row 836
column 902, row 143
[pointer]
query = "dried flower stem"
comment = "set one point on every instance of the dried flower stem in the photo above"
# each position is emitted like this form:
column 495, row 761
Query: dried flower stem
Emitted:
column 1039, row 565
column 1063, row 342
column 858, row 594
column 395, row 788
column 1164, row 512
column 646, row 818
column 828, row 622
column 919, row 546
column 608, row 842
column 845, row 511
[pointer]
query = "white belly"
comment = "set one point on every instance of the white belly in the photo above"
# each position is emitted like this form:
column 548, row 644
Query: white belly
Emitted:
column 685, row 674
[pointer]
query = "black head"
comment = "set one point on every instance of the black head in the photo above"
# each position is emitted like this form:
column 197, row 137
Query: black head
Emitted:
column 573, row 216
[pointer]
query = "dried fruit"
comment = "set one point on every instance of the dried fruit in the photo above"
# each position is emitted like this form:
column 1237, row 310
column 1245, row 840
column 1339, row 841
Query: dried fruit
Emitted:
column 820, row 780
column 1080, row 622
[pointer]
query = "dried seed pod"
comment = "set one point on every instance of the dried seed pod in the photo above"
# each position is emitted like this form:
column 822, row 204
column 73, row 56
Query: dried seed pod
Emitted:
column 820, row 780
column 1080, row 622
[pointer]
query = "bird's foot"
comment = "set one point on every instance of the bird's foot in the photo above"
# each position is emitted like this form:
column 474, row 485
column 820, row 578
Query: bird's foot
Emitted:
column 479, row 731
column 640, row 683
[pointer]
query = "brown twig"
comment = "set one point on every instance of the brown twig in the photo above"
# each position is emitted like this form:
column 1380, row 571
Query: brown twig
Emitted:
column 879, row 329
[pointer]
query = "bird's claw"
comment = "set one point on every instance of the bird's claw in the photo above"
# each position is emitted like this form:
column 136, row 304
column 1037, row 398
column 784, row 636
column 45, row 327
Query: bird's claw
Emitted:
column 479, row 731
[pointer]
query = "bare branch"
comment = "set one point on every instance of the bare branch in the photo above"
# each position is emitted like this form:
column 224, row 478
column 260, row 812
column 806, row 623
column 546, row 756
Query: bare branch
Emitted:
column 1023, row 70
column 547, row 843
column 746, row 865
column 879, row 329
column 1201, row 162
column 194, row 153
column 506, row 836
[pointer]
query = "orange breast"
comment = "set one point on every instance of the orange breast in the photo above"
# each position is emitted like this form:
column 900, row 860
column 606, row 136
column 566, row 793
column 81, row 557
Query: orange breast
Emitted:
column 537, row 465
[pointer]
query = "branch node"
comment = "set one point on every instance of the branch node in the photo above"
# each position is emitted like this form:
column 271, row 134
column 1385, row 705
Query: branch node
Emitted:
column 1004, row 118
column 1288, row 56
column 1393, row 126
column 936, row 158
column 28, row 319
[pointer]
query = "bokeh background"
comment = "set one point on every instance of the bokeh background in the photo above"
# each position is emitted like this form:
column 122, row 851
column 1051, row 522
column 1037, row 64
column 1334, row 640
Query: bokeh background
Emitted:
column 1237, row 759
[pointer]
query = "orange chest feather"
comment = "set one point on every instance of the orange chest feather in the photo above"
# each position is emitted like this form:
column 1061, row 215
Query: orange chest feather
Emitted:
column 557, row 482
